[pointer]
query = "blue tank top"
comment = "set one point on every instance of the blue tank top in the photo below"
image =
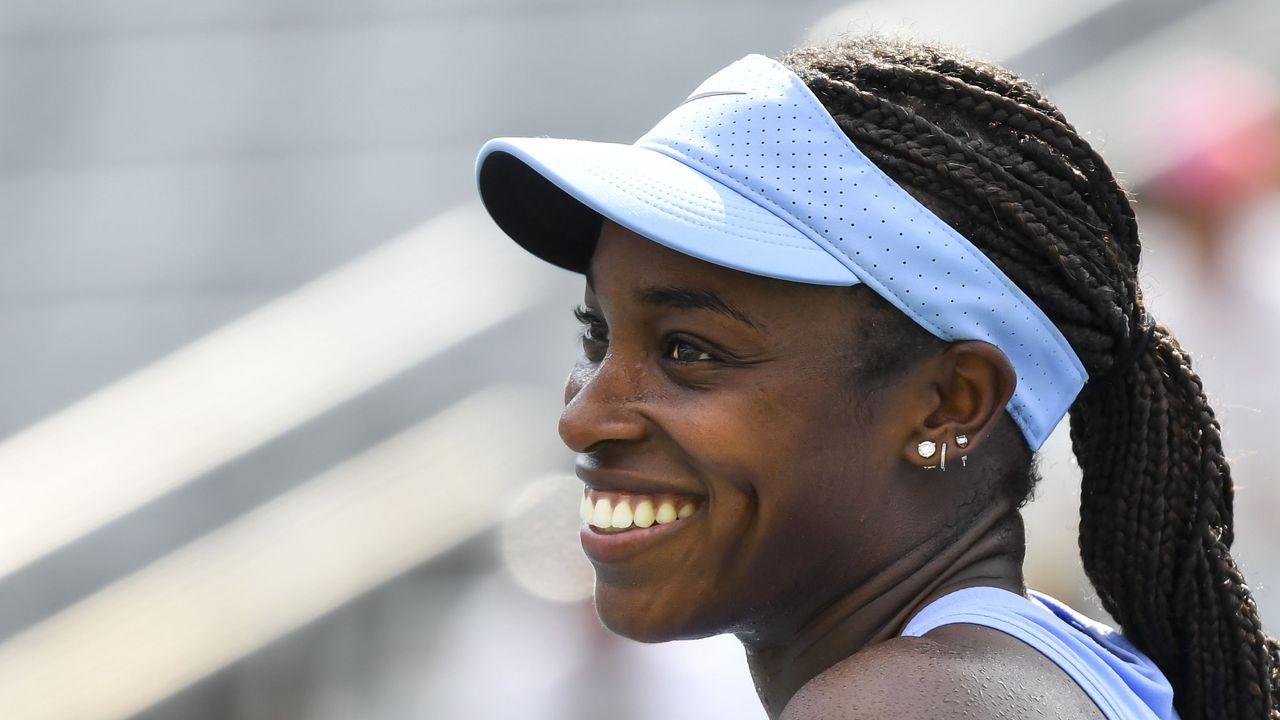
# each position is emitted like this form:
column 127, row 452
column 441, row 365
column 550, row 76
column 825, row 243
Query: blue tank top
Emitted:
column 1121, row 681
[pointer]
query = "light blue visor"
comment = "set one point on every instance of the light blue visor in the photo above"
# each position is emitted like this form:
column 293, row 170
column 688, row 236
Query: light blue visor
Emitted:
column 752, row 173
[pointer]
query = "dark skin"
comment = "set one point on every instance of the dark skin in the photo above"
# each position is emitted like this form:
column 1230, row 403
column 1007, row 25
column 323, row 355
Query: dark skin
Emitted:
column 820, row 531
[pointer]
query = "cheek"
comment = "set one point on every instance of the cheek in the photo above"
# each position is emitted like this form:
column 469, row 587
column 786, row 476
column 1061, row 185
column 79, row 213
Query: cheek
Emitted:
column 818, row 473
column 814, row 425
column 852, row 461
column 792, row 516
column 796, row 462
column 778, row 438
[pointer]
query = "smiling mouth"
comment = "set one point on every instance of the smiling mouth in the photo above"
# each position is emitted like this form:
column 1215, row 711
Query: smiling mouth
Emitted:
column 610, row 512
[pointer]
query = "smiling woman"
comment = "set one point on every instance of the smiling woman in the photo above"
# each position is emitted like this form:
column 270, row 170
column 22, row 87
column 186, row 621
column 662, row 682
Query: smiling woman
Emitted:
column 756, row 427
column 832, row 307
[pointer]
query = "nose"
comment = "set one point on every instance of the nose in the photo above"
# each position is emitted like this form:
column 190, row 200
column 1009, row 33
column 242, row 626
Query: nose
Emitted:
column 601, row 404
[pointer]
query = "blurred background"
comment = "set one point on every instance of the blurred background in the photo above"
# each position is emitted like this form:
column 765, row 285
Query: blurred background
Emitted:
column 277, row 403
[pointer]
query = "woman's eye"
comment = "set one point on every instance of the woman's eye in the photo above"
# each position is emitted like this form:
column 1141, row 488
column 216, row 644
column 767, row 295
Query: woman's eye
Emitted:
column 595, row 334
column 681, row 351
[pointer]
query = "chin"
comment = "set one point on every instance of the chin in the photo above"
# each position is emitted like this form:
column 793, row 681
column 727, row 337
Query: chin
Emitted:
column 647, row 616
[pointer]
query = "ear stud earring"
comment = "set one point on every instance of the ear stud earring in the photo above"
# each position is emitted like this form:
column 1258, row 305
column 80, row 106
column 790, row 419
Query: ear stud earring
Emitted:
column 962, row 441
column 927, row 449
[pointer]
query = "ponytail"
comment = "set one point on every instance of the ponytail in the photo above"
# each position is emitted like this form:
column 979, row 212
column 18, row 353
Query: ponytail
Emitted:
column 1156, row 531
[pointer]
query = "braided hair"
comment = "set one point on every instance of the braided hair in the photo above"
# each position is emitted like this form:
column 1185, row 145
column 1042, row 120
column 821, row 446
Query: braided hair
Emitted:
column 995, row 160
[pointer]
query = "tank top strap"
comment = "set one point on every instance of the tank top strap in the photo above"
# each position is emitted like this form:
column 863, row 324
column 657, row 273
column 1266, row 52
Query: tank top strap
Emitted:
column 1121, row 681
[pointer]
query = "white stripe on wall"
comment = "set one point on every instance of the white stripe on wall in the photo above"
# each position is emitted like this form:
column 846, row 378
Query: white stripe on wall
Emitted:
column 256, row 378
column 290, row 561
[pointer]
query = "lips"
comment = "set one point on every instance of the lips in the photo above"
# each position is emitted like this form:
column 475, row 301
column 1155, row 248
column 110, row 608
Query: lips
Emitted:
column 619, row 524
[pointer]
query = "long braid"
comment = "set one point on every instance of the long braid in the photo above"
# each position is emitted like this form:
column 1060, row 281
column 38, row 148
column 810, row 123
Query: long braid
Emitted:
column 1001, row 165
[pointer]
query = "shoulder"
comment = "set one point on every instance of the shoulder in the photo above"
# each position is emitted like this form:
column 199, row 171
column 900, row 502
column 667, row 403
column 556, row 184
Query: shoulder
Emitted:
column 958, row 671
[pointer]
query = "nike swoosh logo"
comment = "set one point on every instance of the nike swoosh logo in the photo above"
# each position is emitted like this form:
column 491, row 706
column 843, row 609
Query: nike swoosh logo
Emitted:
column 699, row 96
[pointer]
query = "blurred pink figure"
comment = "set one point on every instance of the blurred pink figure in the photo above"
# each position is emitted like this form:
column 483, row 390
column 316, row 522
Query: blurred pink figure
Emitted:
column 1210, row 222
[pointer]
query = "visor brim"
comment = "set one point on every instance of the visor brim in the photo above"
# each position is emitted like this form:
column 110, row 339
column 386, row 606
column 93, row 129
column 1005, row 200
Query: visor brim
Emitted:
column 549, row 195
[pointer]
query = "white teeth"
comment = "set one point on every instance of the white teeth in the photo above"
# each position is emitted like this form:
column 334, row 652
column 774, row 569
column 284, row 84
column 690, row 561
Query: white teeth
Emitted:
column 622, row 516
column 602, row 516
column 644, row 514
column 621, row 511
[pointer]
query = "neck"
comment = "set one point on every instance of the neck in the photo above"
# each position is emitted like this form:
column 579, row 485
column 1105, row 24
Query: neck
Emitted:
column 988, row 552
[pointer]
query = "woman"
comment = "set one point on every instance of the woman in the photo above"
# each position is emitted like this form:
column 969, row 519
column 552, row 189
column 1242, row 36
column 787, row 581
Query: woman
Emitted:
column 833, row 305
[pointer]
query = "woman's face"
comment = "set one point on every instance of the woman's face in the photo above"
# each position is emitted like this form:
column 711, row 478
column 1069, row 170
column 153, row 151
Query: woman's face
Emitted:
column 730, row 401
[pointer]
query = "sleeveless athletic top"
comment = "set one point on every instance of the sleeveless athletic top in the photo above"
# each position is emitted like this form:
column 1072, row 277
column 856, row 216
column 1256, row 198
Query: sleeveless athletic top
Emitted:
column 1121, row 681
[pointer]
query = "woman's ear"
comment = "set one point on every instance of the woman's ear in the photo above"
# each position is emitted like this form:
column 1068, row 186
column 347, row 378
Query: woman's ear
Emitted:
column 971, row 382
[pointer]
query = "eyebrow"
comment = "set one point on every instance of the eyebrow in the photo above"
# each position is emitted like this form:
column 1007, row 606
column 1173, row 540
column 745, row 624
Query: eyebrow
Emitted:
column 692, row 299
